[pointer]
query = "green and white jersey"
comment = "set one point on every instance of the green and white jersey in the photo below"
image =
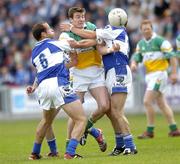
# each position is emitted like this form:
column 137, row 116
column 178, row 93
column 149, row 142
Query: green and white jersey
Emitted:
column 153, row 53
column 86, row 56
column 178, row 45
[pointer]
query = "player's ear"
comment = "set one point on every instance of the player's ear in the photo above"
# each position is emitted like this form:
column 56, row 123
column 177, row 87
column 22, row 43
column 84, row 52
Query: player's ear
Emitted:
column 43, row 34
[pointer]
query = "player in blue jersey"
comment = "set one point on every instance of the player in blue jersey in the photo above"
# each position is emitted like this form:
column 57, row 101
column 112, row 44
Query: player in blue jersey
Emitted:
column 53, row 89
column 118, row 77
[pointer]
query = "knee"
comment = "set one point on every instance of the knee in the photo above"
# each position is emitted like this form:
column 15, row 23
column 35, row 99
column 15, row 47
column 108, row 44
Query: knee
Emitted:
column 84, row 120
column 147, row 103
column 39, row 134
column 104, row 107
column 115, row 114
column 161, row 105
column 81, row 120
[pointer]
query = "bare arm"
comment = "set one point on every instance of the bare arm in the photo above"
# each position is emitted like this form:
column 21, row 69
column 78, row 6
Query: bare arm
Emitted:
column 173, row 75
column 133, row 65
column 85, row 43
column 73, row 60
column 31, row 89
column 81, row 32
column 104, row 50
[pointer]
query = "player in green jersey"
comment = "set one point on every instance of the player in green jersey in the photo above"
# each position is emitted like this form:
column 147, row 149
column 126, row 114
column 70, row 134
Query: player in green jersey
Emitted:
column 88, row 76
column 154, row 51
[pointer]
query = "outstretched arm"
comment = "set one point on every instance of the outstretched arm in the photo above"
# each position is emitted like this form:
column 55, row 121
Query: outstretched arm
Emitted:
column 81, row 32
column 85, row 43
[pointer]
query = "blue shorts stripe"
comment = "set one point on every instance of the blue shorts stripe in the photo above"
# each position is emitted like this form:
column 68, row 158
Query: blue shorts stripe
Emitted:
column 70, row 98
column 119, row 90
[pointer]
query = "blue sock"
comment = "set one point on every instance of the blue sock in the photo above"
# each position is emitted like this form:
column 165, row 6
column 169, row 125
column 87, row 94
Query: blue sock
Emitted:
column 94, row 132
column 36, row 148
column 128, row 141
column 52, row 146
column 71, row 148
column 119, row 140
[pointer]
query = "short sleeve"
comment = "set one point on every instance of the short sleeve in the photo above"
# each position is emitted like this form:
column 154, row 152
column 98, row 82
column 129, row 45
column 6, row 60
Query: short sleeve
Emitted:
column 65, row 36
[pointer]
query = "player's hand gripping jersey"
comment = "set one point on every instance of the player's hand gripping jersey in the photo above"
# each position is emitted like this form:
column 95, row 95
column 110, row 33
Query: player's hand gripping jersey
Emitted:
column 153, row 53
column 86, row 56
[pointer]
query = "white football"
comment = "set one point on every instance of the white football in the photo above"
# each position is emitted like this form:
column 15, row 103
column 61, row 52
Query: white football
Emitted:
column 117, row 17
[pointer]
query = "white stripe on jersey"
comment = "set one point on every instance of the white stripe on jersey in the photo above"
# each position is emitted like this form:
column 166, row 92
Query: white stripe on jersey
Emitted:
column 109, row 36
column 51, row 59
column 48, row 57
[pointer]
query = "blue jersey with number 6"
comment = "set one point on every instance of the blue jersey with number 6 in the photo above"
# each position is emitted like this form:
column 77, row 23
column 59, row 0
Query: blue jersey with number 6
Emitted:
column 48, row 58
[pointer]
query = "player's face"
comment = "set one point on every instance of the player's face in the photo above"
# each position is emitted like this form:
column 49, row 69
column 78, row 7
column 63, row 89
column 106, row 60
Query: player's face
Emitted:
column 78, row 20
column 147, row 31
column 49, row 31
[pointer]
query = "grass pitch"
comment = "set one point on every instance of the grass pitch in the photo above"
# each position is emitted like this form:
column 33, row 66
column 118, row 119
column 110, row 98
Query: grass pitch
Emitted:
column 16, row 141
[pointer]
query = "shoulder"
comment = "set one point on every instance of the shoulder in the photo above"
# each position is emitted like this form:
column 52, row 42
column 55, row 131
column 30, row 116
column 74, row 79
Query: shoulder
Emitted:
column 66, row 36
column 140, row 44
column 159, row 40
column 90, row 26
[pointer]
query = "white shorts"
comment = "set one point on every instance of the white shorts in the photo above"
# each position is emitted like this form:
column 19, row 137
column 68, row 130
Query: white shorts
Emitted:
column 119, row 80
column 157, row 81
column 88, row 78
column 50, row 95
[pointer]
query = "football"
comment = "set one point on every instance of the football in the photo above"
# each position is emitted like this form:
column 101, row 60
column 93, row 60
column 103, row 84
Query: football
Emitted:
column 117, row 17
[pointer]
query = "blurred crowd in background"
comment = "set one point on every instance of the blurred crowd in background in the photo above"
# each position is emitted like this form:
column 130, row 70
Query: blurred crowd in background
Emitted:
column 18, row 16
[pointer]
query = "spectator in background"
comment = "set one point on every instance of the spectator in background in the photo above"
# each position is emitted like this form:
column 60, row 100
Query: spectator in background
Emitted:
column 2, row 53
column 5, row 77
column 17, row 17
column 22, row 76
column 134, row 13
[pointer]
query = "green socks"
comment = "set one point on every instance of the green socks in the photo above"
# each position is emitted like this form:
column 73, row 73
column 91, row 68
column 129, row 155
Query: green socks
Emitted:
column 150, row 129
column 89, row 124
column 173, row 127
column 67, row 142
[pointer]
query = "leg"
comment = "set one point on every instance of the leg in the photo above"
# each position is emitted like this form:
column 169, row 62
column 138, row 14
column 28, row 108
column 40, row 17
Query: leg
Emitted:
column 76, row 112
column 45, row 123
column 51, row 140
column 70, row 124
column 121, row 125
column 116, row 113
column 165, row 108
column 149, row 99
column 167, row 111
column 101, row 96
column 119, row 148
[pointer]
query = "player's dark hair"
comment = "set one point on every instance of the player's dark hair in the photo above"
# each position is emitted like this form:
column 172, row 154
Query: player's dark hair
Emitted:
column 146, row 21
column 73, row 10
column 37, row 29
